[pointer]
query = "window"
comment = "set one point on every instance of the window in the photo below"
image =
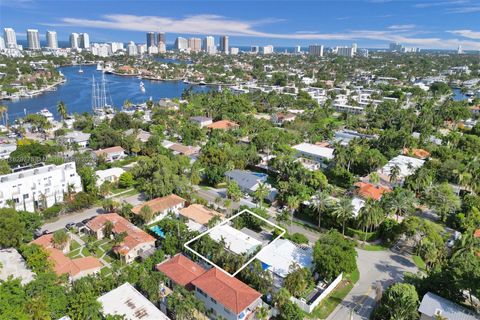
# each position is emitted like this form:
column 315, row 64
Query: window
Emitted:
column 201, row 292
column 213, row 300
column 25, row 196
column 226, row 310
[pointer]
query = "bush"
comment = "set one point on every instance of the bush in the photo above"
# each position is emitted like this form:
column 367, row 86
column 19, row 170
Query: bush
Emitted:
column 52, row 212
column 82, row 200
column 298, row 238
column 389, row 230
column 125, row 180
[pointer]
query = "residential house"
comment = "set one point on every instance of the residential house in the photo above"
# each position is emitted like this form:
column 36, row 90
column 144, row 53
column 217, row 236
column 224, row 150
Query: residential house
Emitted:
column 406, row 165
column 74, row 268
column 40, row 187
column 433, row 306
column 111, row 175
column 111, row 154
column 279, row 256
column 223, row 125
column 75, row 137
column 6, row 149
column 199, row 216
column 370, row 191
column 249, row 181
column 235, row 240
column 162, row 206
column 224, row 296
column 137, row 243
column 475, row 110
column 128, row 302
column 140, row 134
column 280, row 118
column 321, row 155
column 201, row 121
column 178, row 148
column 13, row 265
column 417, row 153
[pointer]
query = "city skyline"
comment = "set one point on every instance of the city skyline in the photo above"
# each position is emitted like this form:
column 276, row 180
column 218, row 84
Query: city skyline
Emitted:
column 372, row 23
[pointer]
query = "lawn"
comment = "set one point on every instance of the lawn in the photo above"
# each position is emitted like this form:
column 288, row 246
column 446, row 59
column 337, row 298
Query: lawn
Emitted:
column 373, row 247
column 74, row 253
column 85, row 252
column 419, row 263
column 323, row 310
column 127, row 194
column 74, row 245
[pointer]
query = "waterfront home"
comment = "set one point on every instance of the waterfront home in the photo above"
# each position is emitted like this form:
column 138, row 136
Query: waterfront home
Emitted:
column 126, row 301
column 279, row 257
column 162, row 206
column 223, row 125
column 62, row 264
column 111, row 154
column 433, row 307
column 40, row 187
column 201, row 121
column 137, row 243
column 111, row 175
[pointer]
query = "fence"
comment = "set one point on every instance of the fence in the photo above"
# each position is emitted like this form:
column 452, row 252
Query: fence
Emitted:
column 305, row 306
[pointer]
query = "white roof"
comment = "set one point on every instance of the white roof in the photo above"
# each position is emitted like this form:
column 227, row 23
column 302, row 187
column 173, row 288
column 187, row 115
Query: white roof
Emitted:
column 403, row 163
column 282, row 253
column 357, row 205
column 235, row 240
column 433, row 304
column 314, row 150
column 102, row 174
column 126, row 300
column 14, row 265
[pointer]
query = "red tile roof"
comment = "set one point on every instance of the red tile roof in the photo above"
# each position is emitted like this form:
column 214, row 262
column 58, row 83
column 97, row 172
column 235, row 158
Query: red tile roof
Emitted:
column 368, row 190
column 199, row 213
column 477, row 233
column 135, row 235
column 418, row 153
column 232, row 293
column 109, row 150
column 160, row 204
column 223, row 125
column 180, row 269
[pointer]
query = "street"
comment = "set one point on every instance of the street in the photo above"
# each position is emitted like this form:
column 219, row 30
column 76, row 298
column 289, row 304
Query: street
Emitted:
column 383, row 266
column 76, row 217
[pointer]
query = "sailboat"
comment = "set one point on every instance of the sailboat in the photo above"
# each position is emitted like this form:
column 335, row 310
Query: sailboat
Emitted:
column 80, row 70
column 99, row 66
column 142, row 87
column 100, row 106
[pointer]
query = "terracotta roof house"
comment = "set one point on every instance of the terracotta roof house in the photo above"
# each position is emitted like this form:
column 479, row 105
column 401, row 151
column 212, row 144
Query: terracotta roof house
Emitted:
column 477, row 233
column 75, row 268
column 110, row 154
column 201, row 121
column 180, row 270
column 417, row 153
column 188, row 151
column 367, row 190
column 162, row 206
column 226, row 296
column 137, row 242
column 280, row 118
column 199, row 216
column 223, row 125
column 223, row 295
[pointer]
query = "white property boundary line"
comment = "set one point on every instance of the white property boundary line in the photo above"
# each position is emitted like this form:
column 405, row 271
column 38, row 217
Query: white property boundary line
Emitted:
column 225, row 222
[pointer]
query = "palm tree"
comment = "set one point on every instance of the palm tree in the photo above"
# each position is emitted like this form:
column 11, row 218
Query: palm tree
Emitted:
column 343, row 211
column 261, row 193
column 374, row 178
column 293, row 202
column 60, row 239
column 321, row 204
column 62, row 110
column 394, row 174
column 400, row 202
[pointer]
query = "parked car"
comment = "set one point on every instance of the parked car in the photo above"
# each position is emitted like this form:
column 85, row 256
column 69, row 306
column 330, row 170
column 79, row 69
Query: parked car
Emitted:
column 69, row 225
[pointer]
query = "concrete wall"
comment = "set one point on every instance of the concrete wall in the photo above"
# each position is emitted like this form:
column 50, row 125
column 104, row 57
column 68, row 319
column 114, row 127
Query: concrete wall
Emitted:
column 309, row 307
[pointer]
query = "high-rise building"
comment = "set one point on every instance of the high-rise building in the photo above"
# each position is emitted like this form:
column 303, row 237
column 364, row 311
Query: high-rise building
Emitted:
column 267, row 49
column 74, row 41
column 315, row 50
column 84, row 41
column 116, row 46
column 162, row 47
column 33, row 39
column 234, row 50
column 52, row 41
column 362, row 52
column 346, row 51
column 10, row 38
column 354, row 48
column 297, row 49
column 151, row 41
column 195, row 44
column 2, row 44
column 395, row 47
column 161, row 38
column 209, row 45
column 224, row 46
column 131, row 49
column 181, row 44
column 460, row 49
column 254, row 49
column 141, row 48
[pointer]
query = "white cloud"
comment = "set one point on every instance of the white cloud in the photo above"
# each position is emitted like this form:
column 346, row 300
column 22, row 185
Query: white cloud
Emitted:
column 467, row 33
column 440, row 3
column 469, row 9
column 402, row 27
column 220, row 25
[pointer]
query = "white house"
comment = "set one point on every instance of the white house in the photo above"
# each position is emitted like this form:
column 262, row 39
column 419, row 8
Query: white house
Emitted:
column 78, row 137
column 314, row 152
column 111, row 175
column 6, row 149
column 39, row 187
column 433, row 306
column 111, row 154
column 235, row 240
column 201, row 121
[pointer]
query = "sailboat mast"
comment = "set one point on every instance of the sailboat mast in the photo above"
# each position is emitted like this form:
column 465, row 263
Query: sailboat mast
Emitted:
column 94, row 97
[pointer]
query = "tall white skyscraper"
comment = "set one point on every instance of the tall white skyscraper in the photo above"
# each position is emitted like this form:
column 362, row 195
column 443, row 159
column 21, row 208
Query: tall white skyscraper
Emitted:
column 52, row 41
column 2, row 44
column 181, row 44
column 84, row 42
column 209, row 45
column 10, row 38
column 33, row 39
column 267, row 49
column 224, row 45
column 354, row 48
column 346, row 51
column 131, row 49
column 74, row 41
column 315, row 50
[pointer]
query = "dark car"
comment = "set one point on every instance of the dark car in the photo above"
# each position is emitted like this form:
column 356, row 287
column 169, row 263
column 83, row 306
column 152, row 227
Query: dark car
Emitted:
column 85, row 221
column 69, row 225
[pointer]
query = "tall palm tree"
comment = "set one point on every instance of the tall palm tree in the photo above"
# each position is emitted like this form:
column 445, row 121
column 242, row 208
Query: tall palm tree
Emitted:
column 261, row 193
column 321, row 204
column 343, row 211
column 400, row 202
column 394, row 174
column 62, row 110
column 293, row 202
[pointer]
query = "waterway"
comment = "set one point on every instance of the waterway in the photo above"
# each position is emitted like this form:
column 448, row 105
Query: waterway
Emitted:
column 76, row 92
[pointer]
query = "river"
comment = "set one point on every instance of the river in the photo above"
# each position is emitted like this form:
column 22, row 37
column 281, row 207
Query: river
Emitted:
column 77, row 92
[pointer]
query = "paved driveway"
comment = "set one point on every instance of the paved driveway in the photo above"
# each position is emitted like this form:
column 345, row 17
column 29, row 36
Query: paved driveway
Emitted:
column 76, row 217
column 383, row 266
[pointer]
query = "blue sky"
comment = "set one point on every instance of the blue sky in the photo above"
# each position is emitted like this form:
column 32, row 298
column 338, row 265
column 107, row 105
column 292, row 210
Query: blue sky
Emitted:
column 441, row 24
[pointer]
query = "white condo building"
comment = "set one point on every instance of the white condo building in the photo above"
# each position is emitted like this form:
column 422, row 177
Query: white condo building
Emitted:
column 209, row 45
column 52, row 40
column 33, row 39
column 315, row 50
column 181, row 44
column 74, row 41
column 346, row 51
column 131, row 49
column 268, row 49
column 84, row 41
column 10, row 38
column 38, row 187
column 2, row 44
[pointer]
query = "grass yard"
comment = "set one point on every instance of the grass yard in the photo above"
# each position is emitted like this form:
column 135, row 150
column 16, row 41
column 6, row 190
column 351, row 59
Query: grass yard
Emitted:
column 127, row 194
column 323, row 310
column 373, row 247
column 419, row 263
column 85, row 252
column 74, row 253
column 74, row 245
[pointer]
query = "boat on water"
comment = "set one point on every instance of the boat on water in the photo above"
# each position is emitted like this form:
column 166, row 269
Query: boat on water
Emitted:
column 80, row 70
column 142, row 87
column 102, row 103
column 47, row 114
column 186, row 81
column 202, row 83
column 99, row 67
